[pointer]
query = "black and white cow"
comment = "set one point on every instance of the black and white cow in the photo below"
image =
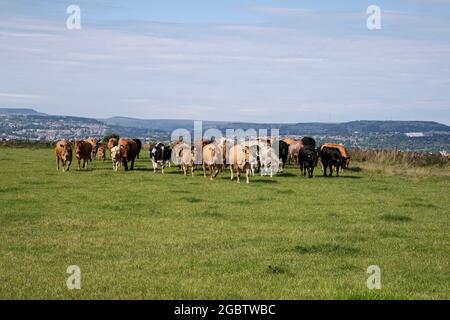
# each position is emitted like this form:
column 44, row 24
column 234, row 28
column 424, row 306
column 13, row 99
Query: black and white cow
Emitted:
column 160, row 155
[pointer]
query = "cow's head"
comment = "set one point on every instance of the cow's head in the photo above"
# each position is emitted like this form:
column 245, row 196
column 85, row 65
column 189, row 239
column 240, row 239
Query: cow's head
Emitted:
column 94, row 143
column 78, row 146
column 123, row 147
column 65, row 150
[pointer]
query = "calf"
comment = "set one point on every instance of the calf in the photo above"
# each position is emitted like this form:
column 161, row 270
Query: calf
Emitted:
column 83, row 152
column 101, row 153
column 115, row 157
column 63, row 153
column 330, row 157
column 307, row 159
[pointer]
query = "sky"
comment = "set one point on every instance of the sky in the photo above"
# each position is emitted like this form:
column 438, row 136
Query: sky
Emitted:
column 259, row 61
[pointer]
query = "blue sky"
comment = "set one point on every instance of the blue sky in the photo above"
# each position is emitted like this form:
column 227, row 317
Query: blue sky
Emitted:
column 284, row 61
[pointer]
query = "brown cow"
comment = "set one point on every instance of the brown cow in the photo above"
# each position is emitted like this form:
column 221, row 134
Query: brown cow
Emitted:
column 83, row 152
column 212, row 158
column 128, row 152
column 139, row 144
column 239, row 160
column 112, row 142
column 344, row 153
column 101, row 153
column 94, row 143
column 63, row 153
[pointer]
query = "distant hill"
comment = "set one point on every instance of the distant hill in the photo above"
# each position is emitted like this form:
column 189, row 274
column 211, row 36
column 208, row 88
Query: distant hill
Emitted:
column 156, row 124
column 28, row 124
column 313, row 128
column 20, row 111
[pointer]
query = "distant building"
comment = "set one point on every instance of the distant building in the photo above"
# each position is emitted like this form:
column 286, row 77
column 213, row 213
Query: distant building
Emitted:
column 415, row 134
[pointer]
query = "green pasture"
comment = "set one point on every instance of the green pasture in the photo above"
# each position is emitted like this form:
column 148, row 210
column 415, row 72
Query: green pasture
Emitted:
column 144, row 236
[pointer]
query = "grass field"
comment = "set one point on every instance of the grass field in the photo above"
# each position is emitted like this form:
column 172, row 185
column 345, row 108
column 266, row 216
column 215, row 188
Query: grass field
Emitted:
column 144, row 236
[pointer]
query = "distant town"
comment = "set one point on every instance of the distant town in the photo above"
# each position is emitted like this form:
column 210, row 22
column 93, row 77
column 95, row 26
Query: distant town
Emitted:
column 33, row 126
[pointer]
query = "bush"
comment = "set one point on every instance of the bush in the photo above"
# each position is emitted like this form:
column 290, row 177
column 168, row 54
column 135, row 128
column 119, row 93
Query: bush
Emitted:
column 109, row 136
column 406, row 158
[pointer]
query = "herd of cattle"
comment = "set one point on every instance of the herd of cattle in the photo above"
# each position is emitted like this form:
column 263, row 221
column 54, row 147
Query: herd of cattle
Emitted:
column 258, row 155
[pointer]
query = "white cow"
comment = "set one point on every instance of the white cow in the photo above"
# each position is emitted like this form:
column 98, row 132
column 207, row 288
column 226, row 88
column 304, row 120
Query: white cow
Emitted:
column 115, row 157
column 270, row 162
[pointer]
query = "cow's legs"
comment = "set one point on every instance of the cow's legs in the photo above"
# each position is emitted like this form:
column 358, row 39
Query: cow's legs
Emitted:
column 331, row 170
column 162, row 168
column 337, row 171
column 132, row 164
column 247, row 173
column 217, row 172
column 204, row 170
column 231, row 170
column 57, row 163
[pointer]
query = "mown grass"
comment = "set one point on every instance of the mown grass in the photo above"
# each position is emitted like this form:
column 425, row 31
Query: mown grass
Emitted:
column 144, row 236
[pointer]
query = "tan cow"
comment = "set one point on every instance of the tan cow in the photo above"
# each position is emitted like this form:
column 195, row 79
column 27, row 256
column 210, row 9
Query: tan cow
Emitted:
column 112, row 142
column 83, row 152
column 101, row 153
column 289, row 141
column 294, row 149
column 212, row 158
column 63, row 153
column 239, row 159
column 128, row 152
column 95, row 144
column 184, row 155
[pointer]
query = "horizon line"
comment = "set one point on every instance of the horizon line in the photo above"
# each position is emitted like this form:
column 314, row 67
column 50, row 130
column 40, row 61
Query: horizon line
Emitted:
column 228, row 121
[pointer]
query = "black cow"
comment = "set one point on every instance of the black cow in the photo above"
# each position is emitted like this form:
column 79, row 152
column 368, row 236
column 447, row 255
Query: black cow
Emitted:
column 309, row 142
column 159, row 155
column 139, row 143
column 283, row 148
column 330, row 157
column 307, row 159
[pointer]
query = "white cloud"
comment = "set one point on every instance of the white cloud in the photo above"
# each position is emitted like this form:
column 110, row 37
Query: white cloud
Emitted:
column 314, row 69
